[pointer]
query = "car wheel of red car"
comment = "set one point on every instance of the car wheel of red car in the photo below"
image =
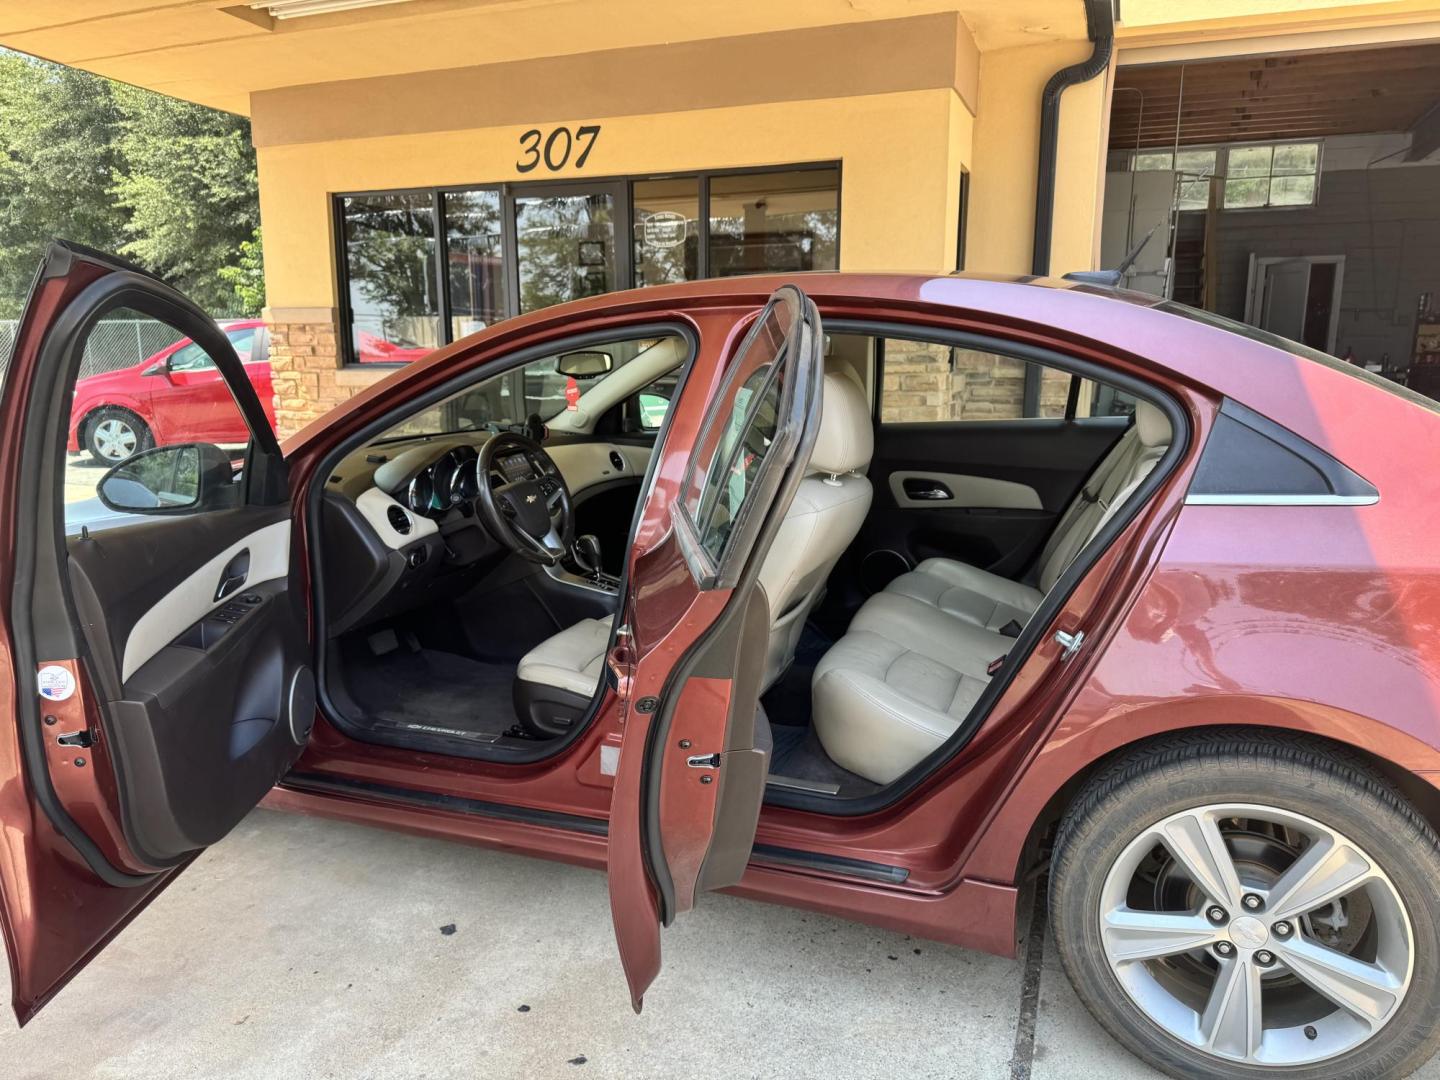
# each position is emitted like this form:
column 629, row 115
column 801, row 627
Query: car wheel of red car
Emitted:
column 1248, row 905
column 113, row 435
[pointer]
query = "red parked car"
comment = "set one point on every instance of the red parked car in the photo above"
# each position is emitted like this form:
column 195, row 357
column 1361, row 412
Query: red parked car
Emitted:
column 927, row 591
column 176, row 395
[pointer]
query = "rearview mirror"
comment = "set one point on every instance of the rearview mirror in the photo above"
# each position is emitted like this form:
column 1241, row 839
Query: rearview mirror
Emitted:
column 166, row 479
column 584, row 365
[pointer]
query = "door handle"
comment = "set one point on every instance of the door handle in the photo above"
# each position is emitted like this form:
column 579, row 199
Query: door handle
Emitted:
column 932, row 490
column 234, row 575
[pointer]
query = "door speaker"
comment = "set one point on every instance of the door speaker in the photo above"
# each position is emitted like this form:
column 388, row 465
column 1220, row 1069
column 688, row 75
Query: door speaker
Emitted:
column 300, row 704
column 879, row 568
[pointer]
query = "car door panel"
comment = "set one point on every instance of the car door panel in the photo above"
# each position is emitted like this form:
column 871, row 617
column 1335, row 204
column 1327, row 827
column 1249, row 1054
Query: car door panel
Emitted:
column 999, row 463
column 142, row 718
column 689, row 655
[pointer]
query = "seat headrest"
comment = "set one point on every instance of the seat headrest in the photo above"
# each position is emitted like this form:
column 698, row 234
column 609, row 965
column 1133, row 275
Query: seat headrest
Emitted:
column 1151, row 425
column 847, row 437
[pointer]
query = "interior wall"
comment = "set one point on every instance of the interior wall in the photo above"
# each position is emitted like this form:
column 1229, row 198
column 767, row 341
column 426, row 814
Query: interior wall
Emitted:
column 1384, row 219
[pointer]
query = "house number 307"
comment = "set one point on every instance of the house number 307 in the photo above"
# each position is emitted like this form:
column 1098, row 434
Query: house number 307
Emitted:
column 554, row 149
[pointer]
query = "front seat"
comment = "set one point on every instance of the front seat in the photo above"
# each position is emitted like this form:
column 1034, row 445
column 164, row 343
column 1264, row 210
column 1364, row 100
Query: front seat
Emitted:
column 829, row 508
column 557, row 679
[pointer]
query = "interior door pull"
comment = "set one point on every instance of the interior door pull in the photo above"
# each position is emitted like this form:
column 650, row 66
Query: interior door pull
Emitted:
column 932, row 490
column 234, row 575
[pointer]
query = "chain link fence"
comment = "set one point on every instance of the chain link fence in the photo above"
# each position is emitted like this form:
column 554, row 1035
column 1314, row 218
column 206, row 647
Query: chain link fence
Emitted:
column 113, row 344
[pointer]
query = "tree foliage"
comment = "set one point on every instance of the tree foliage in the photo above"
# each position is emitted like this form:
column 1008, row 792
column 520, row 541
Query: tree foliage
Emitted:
column 168, row 184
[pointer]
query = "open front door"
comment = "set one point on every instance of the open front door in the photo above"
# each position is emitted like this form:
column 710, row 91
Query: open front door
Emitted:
column 690, row 652
column 155, row 651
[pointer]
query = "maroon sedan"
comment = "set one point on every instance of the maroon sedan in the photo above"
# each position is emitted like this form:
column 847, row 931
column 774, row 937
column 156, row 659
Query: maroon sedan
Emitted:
column 890, row 597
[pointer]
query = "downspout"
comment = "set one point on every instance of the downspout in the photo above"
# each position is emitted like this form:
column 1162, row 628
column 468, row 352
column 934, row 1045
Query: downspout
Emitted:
column 1100, row 25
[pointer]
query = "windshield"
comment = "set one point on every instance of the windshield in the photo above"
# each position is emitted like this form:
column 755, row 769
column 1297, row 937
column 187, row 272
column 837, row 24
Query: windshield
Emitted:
column 544, row 388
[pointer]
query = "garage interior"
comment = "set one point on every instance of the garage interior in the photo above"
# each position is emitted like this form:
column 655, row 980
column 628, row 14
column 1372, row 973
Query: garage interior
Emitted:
column 1296, row 192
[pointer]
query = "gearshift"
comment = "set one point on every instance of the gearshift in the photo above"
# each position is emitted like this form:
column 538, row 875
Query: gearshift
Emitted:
column 585, row 552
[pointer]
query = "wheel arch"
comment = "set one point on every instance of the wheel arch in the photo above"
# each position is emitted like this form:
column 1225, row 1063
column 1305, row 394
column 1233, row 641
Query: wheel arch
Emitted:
column 89, row 412
column 1054, row 786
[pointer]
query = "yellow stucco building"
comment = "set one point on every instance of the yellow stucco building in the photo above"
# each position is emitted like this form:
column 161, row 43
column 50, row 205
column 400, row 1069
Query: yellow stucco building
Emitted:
column 422, row 160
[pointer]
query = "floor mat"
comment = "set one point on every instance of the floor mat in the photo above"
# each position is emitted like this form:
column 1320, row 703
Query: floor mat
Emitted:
column 429, row 689
column 798, row 754
column 788, row 701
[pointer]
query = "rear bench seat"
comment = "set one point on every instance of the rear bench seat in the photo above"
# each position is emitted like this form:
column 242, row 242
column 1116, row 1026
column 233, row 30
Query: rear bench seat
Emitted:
column 915, row 657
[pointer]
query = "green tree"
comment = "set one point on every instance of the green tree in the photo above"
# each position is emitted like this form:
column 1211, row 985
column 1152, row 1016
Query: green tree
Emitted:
column 187, row 178
column 168, row 184
column 58, row 159
column 247, row 276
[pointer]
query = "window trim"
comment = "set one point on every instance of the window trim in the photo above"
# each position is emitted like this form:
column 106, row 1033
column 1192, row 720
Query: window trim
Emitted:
column 624, row 184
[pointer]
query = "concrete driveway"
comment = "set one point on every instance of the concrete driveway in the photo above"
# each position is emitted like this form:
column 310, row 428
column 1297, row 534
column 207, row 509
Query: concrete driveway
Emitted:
column 308, row 948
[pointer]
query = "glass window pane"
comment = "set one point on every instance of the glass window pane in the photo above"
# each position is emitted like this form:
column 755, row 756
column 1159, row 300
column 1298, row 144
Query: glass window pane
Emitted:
column 1152, row 160
column 1292, row 190
column 926, row 381
column 1194, row 194
column 1243, row 193
column 1248, row 161
column 1054, row 392
column 667, row 230
column 566, row 246
column 144, row 392
column 1197, row 162
column 243, row 342
column 390, row 264
column 775, row 221
column 1296, row 158
column 474, row 275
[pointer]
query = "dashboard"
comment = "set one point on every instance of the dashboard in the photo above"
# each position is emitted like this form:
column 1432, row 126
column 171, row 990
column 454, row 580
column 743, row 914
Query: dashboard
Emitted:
column 400, row 517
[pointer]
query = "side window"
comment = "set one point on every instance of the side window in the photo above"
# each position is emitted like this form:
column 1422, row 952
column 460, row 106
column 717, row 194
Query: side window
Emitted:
column 727, row 468
column 142, row 438
column 646, row 411
column 243, row 342
column 191, row 358
column 746, row 438
column 930, row 382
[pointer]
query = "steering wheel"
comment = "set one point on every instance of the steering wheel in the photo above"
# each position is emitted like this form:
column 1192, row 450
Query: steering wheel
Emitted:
column 530, row 514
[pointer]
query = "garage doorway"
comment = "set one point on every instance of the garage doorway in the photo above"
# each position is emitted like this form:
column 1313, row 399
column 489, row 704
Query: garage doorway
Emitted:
column 1292, row 191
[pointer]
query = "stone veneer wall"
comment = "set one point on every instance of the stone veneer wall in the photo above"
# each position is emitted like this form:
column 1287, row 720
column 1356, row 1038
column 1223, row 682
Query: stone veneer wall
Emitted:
column 922, row 384
column 305, row 367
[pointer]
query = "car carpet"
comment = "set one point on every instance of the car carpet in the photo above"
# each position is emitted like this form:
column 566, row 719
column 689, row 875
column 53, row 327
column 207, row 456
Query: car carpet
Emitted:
column 432, row 689
column 799, row 755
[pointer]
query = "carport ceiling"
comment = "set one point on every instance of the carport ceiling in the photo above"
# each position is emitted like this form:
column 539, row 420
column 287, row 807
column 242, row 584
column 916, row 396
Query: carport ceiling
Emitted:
column 1292, row 95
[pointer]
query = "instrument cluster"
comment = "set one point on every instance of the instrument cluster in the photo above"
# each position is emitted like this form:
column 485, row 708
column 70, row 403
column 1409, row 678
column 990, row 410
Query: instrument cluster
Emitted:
column 451, row 481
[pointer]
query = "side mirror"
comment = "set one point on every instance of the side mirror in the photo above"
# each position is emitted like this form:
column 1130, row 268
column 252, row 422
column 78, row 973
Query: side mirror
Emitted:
column 165, row 479
column 160, row 367
column 584, row 365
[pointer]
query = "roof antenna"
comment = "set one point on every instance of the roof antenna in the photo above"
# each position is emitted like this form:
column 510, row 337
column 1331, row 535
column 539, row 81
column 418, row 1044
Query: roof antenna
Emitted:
column 1112, row 278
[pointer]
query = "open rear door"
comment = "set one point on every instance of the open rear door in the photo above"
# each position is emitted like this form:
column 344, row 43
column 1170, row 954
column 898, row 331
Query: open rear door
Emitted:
column 690, row 652
column 154, row 653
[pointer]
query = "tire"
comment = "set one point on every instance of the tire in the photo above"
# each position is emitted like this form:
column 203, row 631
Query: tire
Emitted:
column 113, row 435
column 1390, row 922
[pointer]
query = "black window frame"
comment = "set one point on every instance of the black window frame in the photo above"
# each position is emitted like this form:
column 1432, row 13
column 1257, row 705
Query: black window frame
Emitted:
column 623, row 186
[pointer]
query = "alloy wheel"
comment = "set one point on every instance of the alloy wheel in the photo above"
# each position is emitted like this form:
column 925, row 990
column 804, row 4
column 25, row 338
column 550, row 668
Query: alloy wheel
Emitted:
column 1256, row 935
column 114, row 439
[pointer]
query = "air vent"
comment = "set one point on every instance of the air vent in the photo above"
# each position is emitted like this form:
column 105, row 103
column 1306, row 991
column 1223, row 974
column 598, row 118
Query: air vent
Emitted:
column 399, row 520
column 617, row 461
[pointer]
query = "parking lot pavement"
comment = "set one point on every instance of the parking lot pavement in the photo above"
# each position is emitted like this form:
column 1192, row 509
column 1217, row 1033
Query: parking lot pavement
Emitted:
column 308, row 948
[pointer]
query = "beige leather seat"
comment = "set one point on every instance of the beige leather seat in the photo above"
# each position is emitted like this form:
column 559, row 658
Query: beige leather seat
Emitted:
column 556, row 680
column 829, row 508
column 914, row 660
column 988, row 600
